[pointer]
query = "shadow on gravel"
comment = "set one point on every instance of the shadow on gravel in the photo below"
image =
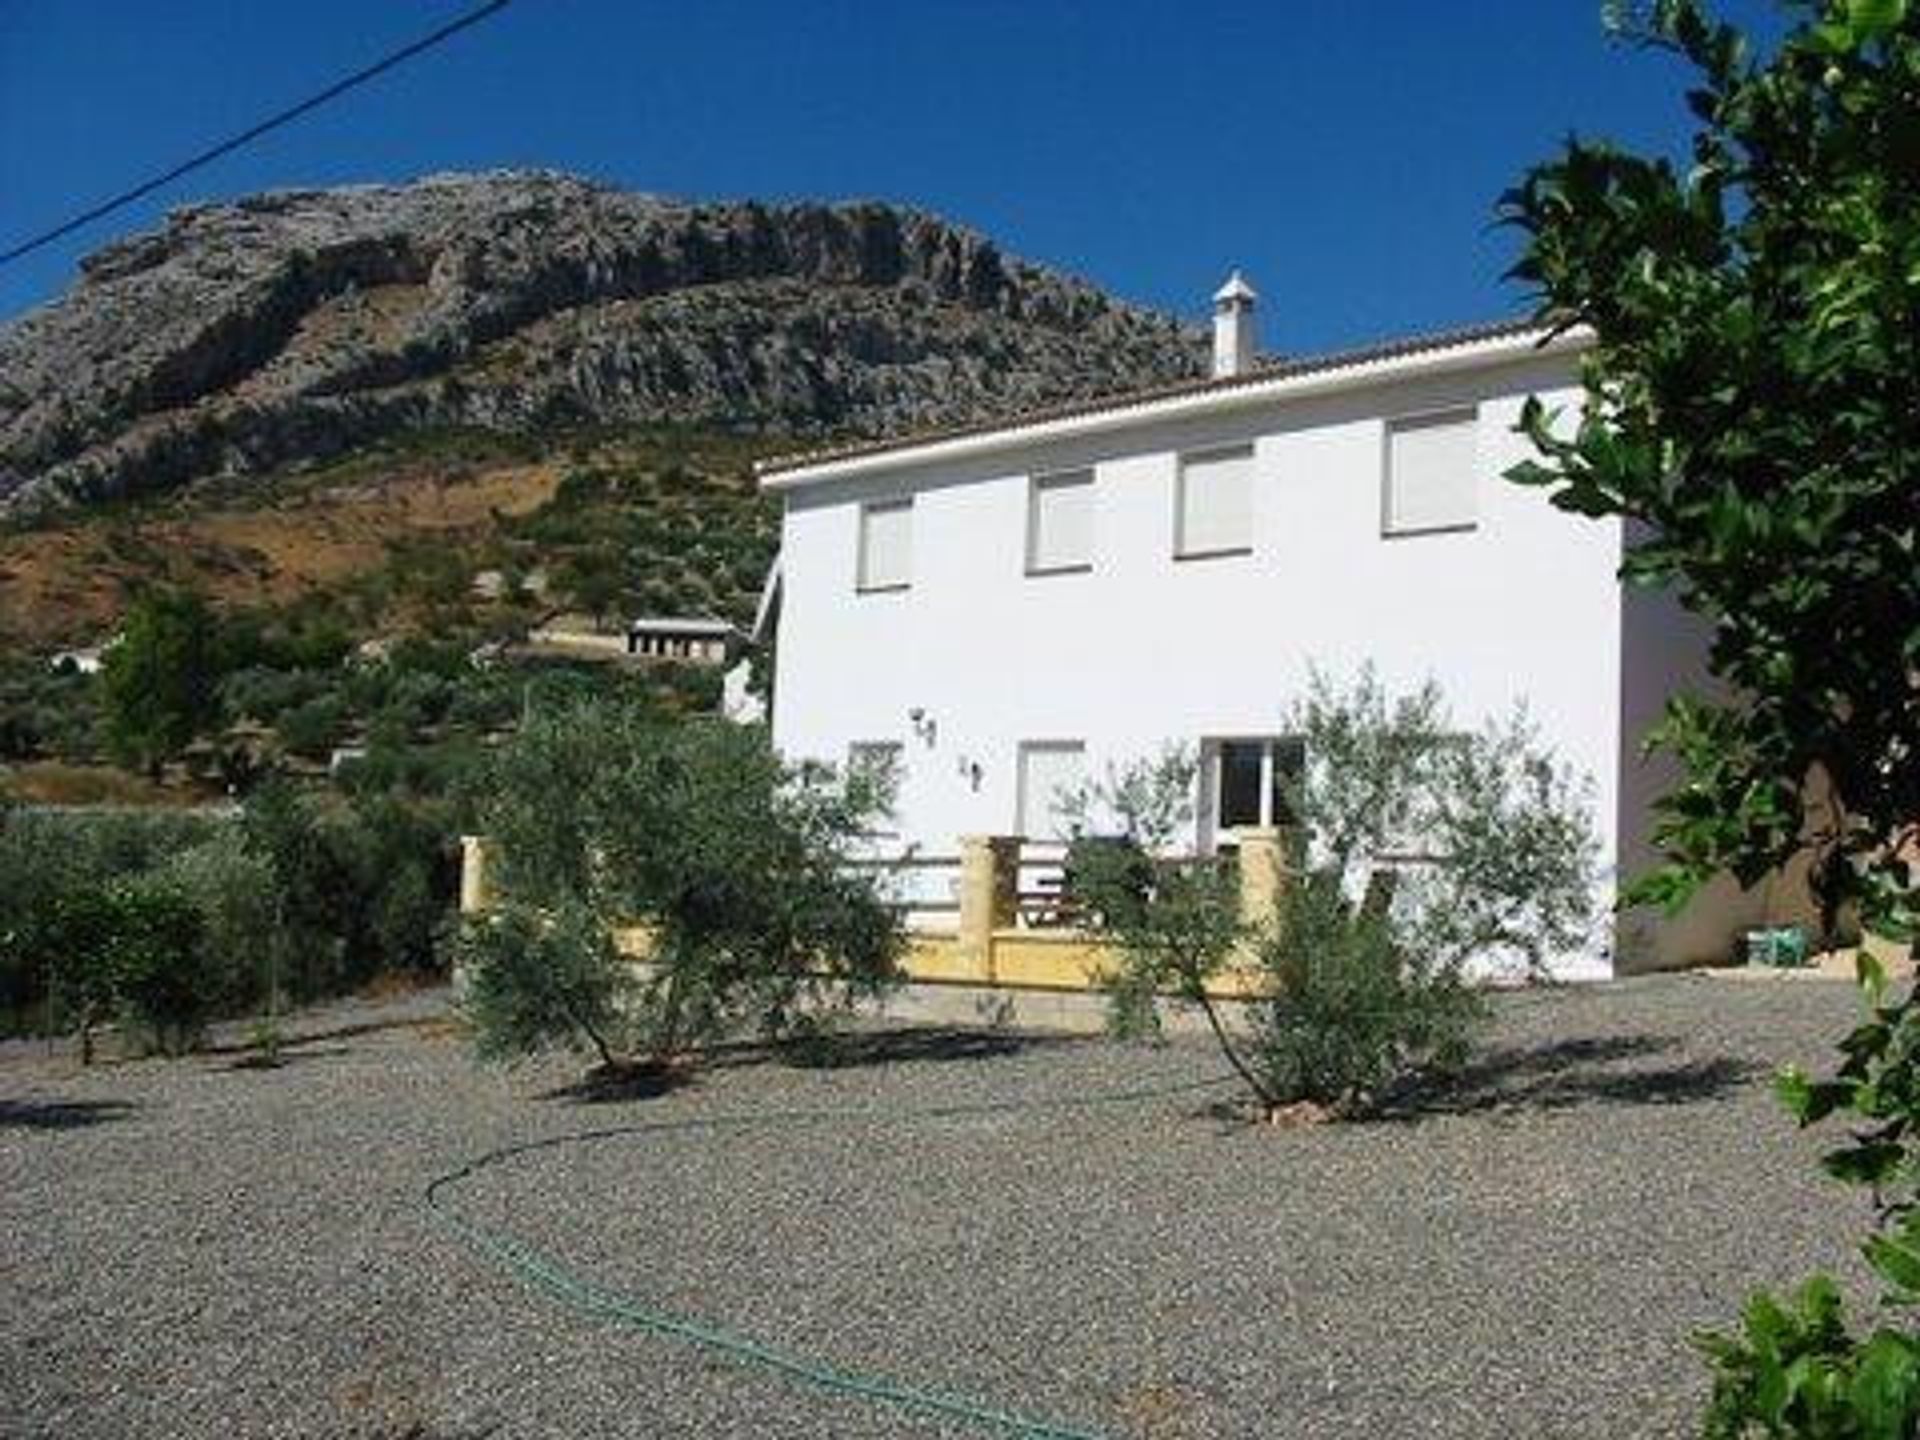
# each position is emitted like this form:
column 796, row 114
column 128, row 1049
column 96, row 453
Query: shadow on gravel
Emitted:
column 1562, row 1074
column 288, row 1056
column 60, row 1114
column 424, row 1024
column 914, row 1043
column 620, row 1084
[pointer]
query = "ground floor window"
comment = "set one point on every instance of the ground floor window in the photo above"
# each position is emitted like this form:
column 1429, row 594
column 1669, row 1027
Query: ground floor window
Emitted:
column 1245, row 781
column 1048, row 769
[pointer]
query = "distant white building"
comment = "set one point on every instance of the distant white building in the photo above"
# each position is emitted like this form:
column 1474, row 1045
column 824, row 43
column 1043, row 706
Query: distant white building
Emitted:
column 697, row 641
column 996, row 609
column 87, row 661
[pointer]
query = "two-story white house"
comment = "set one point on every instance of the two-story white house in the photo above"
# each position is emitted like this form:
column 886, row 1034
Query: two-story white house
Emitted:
column 996, row 610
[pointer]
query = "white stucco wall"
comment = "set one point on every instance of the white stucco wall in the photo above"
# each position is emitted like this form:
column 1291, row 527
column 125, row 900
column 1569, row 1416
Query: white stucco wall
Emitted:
column 1146, row 648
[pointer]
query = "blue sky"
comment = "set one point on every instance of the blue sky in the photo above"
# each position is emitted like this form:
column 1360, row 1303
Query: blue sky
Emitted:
column 1346, row 155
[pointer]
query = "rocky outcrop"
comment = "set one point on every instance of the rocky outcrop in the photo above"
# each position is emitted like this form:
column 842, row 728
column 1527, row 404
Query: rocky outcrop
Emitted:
column 294, row 326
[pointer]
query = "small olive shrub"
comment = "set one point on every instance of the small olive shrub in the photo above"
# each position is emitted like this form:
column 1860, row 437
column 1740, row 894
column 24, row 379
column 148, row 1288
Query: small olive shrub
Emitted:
column 1416, row 852
column 731, row 862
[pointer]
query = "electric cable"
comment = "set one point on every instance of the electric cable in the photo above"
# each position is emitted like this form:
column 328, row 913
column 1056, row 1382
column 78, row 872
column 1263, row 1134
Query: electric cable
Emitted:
column 542, row 1272
column 247, row 136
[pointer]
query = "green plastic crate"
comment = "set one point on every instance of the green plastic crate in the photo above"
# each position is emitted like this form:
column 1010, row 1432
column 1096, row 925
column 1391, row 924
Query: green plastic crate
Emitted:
column 1779, row 947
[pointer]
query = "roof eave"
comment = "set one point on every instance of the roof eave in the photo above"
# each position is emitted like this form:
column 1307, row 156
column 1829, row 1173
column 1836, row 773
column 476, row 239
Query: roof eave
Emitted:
column 1205, row 400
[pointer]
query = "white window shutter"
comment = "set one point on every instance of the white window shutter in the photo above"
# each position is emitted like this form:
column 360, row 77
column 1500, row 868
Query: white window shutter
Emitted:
column 886, row 544
column 1216, row 503
column 1046, row 769
column 1431, row 474
column 1060, row 522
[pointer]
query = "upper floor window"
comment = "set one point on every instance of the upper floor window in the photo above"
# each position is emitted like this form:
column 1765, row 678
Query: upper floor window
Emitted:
column 1431, row 479
column 886, row 545
column 1215, row 511
column 1060, row 523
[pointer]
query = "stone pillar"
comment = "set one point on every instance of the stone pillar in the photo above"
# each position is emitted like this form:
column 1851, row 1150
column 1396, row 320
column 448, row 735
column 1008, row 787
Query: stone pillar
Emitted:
column 475, row 894
column 989, row 895
column 1262, row 872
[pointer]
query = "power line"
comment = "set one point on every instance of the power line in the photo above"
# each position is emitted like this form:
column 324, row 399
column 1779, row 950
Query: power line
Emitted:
column 272, row 122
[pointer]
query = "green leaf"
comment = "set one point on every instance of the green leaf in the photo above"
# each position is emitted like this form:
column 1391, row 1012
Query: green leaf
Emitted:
column 1870, row 19
column 1871, row 976
column 1809, row 1101
column 1872, row 1162
column 1885, row 1390
column 1896, row 1262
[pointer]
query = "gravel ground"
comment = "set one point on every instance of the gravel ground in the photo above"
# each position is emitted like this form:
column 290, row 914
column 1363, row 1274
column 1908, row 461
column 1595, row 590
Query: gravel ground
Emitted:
column 195, row 1249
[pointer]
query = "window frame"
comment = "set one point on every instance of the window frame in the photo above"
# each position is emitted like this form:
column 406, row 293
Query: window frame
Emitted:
column 1022, row 799
column 861, row 563
column 1082, row 477
column 1186, row 458
column 1468, row 414
column 1212, row 782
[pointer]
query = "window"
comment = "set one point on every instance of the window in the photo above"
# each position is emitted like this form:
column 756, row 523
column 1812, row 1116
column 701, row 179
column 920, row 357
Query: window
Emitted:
column 1047, row 768
column 1060, row 523
column 1216, row 504
column 1247, row 781
column 1430, row 475
column 886, row 545
column 882, row 763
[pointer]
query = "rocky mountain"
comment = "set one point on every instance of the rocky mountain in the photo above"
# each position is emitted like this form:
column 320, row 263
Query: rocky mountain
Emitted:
column 293, row 327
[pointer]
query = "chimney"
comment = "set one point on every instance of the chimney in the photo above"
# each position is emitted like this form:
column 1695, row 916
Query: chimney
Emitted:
column 1233, row 327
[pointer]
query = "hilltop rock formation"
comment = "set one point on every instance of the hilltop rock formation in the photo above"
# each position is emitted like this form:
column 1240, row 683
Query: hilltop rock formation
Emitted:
column 294, row 326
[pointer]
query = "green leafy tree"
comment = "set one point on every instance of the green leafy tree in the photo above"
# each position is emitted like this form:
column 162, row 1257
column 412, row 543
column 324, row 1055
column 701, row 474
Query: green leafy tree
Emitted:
column 1751, row 413
column 169, row 981
column 730, row 863
column 159, row 681
column 132, row 945
column 1416, row 851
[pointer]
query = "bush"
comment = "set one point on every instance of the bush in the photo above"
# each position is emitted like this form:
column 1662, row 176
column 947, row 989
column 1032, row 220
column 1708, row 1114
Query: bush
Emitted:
column 603, row 818
column 166, row 977
column 231, row 890
column 1350, row 1010
column 548, row 980
column 313, row 727
column 1363, row 974
column 131, row 947
column 361, row 887
column 46, row 856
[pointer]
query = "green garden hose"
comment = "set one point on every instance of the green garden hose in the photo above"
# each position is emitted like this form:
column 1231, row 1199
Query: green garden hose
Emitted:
column 542, row 1272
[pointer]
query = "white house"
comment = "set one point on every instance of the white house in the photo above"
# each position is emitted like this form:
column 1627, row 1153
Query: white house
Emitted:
column 998, row 608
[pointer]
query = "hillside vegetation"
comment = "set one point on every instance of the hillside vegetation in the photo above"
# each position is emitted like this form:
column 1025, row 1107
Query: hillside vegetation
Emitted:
column 391, row 539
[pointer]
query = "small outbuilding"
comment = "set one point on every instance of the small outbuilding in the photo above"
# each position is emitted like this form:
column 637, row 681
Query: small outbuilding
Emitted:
column 696, row 641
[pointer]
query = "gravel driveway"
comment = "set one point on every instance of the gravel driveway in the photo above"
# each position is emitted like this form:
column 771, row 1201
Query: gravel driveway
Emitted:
column 194, row 1249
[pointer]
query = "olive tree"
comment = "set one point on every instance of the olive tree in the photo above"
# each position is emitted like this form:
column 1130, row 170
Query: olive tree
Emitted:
column 1416, row 852
column 724, row 865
